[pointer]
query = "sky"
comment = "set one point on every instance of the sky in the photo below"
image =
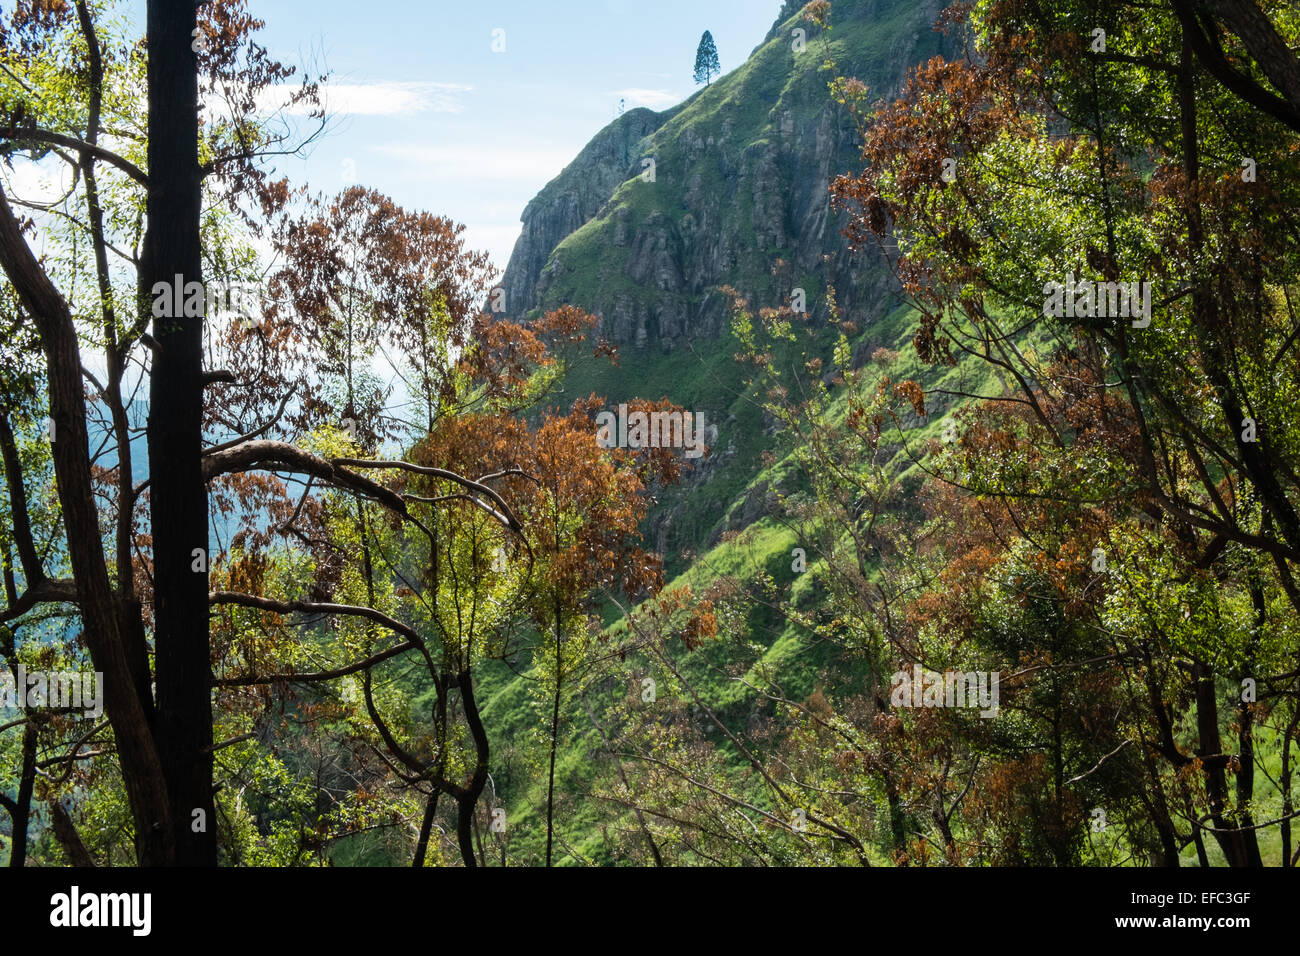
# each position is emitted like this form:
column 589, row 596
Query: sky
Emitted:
column 428, row 113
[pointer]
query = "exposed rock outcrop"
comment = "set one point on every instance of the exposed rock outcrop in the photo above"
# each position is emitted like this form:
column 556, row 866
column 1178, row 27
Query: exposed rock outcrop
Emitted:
column 573, row 198
column 737, row 195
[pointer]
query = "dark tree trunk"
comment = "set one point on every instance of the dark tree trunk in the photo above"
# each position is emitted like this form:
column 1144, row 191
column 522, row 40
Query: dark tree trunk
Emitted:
column 898, row 821
column 1246, row 785
column 65, row 831
column 178, row 495
column 468, row 799
column 142, row 773
column 1230, row 839
column 440, row 735
column 21, row 810
column 1158, row 807
column 426, row 830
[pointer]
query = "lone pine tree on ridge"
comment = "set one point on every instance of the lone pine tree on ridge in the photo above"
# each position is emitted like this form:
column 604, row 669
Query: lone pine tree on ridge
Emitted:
column 706, row 60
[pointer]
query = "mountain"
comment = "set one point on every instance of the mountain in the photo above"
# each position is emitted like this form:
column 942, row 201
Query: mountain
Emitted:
column 739, row 190
column 737, row 195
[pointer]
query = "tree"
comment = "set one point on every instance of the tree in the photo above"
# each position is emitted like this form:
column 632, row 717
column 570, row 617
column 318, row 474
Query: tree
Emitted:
column 706, row 60
column 1114, row 151
column 178, row 509
column 203, row 192
column 473, row 578
column 163, row 761
column 266, row 491
column 584, row 524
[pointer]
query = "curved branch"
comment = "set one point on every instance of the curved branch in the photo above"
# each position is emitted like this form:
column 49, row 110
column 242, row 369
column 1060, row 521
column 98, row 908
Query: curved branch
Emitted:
column 506, row 516
column 317, row 607
column 316, row 677
column 1214, row 61
column 459, row 496
column 1263, row 42
column 42, row 591
column 21, row 134
column 274, row 455
column 256, row 432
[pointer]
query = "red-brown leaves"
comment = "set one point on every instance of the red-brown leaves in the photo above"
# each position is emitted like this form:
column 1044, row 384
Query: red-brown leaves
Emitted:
column 913, row 393
column 702, row 625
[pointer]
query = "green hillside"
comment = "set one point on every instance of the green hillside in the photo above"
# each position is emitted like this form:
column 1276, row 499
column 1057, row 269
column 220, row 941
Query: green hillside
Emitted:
column 723, row 160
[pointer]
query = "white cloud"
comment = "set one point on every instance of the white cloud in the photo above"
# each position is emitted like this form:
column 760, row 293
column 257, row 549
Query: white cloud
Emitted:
column 491, row 162
column 654, row 99
column 377, row 99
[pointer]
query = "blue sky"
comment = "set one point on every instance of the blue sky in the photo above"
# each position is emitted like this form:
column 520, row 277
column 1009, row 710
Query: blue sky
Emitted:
column 430, row 115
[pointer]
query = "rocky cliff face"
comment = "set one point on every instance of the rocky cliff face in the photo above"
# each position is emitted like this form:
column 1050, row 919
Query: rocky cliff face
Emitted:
column 737, row 194
column 573, row 198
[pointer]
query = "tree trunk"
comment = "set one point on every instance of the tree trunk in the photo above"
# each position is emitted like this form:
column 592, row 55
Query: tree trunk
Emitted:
column 1246, row 785
column 178, row 494
column 466, row 801
column 65, row 831
column 426, row 830
column 1229, row 838
column 1158, row 807
column 142, row 773
column 21, row 811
